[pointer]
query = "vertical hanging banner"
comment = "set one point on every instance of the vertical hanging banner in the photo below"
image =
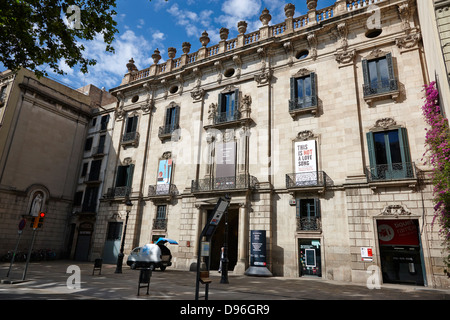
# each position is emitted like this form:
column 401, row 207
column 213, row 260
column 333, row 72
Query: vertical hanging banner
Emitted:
column 225, row 164
column 164, row 177
column 258, row 248
column 305, row 163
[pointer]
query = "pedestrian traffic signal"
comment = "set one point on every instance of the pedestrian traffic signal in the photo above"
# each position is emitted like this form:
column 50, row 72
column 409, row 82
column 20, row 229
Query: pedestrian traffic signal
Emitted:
column 41, row 219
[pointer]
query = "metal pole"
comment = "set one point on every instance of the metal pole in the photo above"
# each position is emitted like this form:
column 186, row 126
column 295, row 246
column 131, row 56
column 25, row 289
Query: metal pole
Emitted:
column 224, row 277
column 29, row 254
column 120, row 256
column 14, row 253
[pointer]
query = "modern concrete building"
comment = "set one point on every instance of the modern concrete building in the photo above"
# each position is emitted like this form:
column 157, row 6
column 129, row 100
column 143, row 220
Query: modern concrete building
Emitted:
column 312, row 125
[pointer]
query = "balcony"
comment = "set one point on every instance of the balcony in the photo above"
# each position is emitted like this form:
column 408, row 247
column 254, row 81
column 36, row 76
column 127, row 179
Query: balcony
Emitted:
column 130, row 138
column 237, row 183
column 391, row 172
column 309, row 224
column 162, row 192
column 378, row 90
column 306, row 104
column 309, row 181
column 118, row 192
column 160, row 224
column 165, row 132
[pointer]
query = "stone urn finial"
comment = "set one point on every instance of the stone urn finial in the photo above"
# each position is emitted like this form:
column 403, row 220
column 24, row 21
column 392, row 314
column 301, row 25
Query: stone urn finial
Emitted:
column 242, row 27
column 265, row 17
column 224, row 33
column 156, row 56
column 171, row 52
column 131, row 66
column 204, row 39
column 186, row 46
column 311, row 4
column 289, row 10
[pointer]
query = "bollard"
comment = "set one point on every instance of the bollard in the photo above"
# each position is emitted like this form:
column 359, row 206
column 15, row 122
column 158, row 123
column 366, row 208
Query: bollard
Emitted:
column 144, row 279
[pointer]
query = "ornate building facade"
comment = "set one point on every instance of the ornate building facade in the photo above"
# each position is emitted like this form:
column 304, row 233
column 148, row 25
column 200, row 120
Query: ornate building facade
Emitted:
column 312, row 125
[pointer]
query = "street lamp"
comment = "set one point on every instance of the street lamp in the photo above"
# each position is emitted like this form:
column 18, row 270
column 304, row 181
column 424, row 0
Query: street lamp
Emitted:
column 128, row 205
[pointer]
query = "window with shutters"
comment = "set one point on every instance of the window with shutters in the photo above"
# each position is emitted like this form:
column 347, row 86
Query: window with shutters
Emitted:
column 171, row 121
column 303, row 93
column 131, row 135
column 228, row 107
column 124, row 180
column 379, row 77
column 308, row 215
column 389, row 156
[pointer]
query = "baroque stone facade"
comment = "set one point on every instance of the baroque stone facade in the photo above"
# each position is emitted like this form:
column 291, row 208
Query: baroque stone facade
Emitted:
column 313, row 126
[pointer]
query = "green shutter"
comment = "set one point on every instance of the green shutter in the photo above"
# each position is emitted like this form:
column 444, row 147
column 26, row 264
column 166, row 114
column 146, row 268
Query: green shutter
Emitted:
column 130, row 171
column 219, row 108
column 317, row 207
column 297, row 205
column 390, row 66
column 293, row 91
column 365, row 66
column 236, row 101
column 371, row 149
column 313, row 89
column 404, row 145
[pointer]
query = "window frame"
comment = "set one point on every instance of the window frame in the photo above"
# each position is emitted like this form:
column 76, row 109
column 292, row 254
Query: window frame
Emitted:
column 308, row 103
column 382, row 90
column 312, row 222
column 226, row 113
column 390, row 171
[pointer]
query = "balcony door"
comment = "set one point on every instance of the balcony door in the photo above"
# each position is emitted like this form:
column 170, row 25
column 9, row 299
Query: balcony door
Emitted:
column 389, row 154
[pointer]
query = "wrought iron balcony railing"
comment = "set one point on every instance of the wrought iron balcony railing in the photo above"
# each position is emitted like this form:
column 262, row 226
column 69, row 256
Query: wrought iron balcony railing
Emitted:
column 130, row 138
column 380, row 87
column 225, row 183
column 118, row 192
column 303, row 103
column 159, row 224
column 223, row 117
column 389, row 172
column 306, row 179
column 167, row 130
column 162, row 190
column 309, row 224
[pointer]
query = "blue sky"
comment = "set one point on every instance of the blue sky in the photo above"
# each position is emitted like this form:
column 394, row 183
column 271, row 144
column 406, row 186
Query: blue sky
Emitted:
column 146, row 25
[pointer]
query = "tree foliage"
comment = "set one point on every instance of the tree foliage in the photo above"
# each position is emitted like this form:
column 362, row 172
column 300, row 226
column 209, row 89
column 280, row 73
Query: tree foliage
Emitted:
column 36, row 33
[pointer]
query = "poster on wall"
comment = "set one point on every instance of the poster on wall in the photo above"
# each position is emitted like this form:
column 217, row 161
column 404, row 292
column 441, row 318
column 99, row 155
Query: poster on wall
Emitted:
column 225, row 164
column 305, row 163
column 164, row 176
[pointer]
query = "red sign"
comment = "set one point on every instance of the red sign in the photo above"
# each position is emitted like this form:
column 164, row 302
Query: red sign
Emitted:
column 398, row 232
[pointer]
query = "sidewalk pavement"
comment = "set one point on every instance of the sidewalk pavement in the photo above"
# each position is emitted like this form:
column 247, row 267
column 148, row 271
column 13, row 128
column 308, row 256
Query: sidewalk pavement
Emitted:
column 55, row 280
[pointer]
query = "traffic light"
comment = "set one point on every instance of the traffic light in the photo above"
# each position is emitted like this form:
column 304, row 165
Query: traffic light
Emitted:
column 38, row 222
column 34, row 222
column 41, row 219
